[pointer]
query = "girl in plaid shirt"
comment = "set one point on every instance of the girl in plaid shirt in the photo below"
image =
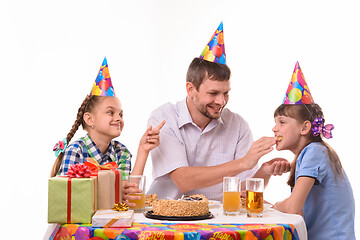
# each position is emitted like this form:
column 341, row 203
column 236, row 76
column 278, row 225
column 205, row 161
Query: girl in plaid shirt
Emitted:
column 102, row 117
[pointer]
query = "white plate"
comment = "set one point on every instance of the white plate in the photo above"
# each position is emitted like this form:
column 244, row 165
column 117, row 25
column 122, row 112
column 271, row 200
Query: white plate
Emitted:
column 214, row 204
column 268, row 207
column 148, row 208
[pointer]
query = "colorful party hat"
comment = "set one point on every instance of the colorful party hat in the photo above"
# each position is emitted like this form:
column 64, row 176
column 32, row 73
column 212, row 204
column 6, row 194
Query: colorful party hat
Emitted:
column 103, row 85
column 298, row 91
column 215, row 50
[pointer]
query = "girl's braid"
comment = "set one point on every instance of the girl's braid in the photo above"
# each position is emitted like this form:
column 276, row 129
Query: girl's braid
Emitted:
column 79, row 121
column 79, row 118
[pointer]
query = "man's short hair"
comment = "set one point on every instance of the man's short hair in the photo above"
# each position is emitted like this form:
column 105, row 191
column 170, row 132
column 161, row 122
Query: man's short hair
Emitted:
column 200, row 69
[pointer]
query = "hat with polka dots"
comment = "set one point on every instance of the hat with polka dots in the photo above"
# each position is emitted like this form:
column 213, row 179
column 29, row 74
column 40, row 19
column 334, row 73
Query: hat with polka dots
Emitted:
column 103, row 85
column 298, row 91
column 214, row 51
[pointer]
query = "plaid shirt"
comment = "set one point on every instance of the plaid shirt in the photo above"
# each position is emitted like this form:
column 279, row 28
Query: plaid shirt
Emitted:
column 78, row 151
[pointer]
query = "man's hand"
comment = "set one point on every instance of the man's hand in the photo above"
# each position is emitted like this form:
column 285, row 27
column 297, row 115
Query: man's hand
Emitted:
column 276, row 166
column 258, row 149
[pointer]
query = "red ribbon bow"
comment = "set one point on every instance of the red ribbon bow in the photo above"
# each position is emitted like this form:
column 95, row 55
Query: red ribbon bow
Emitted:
column 78, row 171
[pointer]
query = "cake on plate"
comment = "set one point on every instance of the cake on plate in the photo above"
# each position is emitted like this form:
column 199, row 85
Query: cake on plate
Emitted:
column 150, row 199
column 186, row 206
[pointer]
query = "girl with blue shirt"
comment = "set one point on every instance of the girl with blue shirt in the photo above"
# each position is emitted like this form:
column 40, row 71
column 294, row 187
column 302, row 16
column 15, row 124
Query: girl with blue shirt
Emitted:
column 101, row 115
column 321, row 191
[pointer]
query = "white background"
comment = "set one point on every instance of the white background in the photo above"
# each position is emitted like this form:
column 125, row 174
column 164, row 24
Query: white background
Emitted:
column 51, row 52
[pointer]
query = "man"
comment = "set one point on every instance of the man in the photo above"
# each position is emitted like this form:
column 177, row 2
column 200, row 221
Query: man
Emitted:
column 203, row 141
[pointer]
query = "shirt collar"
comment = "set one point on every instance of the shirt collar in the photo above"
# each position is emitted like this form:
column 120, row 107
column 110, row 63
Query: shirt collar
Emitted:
column 184, row 114
column 99, row 157
column 111, row 151
column 185, row 117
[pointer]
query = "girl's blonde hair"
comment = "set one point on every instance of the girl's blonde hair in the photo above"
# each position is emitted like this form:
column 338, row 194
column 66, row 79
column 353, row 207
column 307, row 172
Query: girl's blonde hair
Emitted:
column 308, row 112
column 87, row 106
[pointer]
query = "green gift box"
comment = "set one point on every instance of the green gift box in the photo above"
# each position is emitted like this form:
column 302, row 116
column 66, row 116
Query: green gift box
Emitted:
column 72, row 200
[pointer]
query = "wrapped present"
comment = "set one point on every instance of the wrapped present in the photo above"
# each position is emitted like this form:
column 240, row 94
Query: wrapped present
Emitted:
column 109, row 183
column 109, row 218
column 72, row 200
column 109, row 188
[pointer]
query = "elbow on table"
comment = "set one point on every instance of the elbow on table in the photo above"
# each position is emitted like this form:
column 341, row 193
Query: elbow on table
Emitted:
column 183, row 185
column 288, row 206
column 181, row 181
column 295, row 210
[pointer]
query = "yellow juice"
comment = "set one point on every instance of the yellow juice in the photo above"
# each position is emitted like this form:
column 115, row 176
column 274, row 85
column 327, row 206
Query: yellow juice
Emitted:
column 231, row 201
column 254, row 202
column 140, row 204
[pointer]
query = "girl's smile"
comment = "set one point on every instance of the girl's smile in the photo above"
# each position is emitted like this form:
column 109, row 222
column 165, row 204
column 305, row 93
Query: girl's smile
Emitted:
column 108, row 118
column 288, row 132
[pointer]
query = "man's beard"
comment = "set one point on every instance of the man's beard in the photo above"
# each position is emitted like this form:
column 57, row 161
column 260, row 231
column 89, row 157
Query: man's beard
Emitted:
column 206, row 113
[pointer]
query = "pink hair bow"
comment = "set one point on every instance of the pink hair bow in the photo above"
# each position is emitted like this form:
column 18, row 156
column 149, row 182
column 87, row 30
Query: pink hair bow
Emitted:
column 60, row 147
column 79, row 171
column 319, row 128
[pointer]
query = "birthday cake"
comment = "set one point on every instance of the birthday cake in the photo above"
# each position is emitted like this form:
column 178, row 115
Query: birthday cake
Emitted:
column 150, row 199
column 194, row 205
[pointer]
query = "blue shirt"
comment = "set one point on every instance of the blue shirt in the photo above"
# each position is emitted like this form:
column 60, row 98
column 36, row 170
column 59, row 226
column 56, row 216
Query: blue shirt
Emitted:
column 183, row 144
column 78, row 151
column 329, row 209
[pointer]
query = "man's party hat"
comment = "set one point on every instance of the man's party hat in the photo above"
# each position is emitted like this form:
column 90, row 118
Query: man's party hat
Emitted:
column 298, row 91
column 102, row 85
column 215, row 50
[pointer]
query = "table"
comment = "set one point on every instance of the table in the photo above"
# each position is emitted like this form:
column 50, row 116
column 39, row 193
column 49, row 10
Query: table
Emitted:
column 272, row 226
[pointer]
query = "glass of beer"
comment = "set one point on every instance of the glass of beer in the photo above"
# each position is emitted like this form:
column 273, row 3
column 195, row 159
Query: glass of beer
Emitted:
column 231, row 195
column 140, row 180
column 254, row 197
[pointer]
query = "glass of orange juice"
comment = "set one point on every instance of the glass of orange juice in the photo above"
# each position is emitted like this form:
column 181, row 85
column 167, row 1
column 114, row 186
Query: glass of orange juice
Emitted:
column 254, row 197
column 140, row 180
column 231, row 195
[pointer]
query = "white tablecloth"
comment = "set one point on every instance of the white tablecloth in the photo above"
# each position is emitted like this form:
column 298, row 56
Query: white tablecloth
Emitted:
column 270, row 216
